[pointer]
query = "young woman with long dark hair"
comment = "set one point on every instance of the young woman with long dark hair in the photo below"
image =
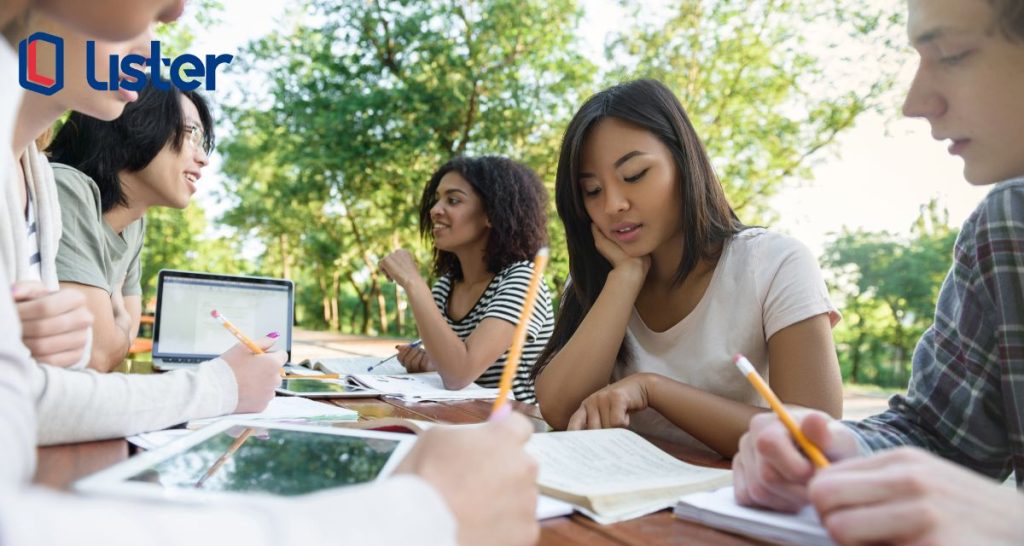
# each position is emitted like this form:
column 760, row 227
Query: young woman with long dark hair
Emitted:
column 667, row 285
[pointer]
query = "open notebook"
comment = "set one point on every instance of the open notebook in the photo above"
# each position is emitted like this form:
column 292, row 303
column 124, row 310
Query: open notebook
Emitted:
column 719, row 509
column 391, row 379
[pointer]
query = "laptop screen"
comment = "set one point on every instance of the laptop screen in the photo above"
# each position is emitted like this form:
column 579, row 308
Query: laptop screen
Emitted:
column 185, row 327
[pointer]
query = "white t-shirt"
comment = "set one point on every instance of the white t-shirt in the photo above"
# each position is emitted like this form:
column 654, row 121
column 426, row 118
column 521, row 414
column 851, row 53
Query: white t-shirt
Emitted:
column 763, row 282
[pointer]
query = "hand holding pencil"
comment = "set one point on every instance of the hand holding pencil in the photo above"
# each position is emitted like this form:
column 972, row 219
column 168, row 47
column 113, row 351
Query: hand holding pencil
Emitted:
column 771, row 468
column 256, row 374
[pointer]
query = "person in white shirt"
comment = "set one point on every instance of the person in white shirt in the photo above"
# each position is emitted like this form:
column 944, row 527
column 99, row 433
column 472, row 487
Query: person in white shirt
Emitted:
column 78, row 406
column 469, row 486
column 667, row 285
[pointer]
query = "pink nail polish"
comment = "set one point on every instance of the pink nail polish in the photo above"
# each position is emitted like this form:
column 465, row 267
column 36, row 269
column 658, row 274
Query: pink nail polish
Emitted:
column 273, row 335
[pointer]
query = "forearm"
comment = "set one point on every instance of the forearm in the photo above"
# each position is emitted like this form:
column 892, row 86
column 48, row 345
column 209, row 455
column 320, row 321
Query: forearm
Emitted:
column 584, row 365
column 109, row 348
column 254, row 521
column 76, row 406
column 446, row 350
column 716, row 421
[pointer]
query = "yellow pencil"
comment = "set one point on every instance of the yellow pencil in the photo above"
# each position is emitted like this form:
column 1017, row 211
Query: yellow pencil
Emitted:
column 236, row 332
column 812, row 451
column 256, row 349
column 540, row 261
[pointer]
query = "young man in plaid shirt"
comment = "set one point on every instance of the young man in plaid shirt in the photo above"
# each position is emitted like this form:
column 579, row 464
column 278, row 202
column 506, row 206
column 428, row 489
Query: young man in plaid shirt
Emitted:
column 922, row 472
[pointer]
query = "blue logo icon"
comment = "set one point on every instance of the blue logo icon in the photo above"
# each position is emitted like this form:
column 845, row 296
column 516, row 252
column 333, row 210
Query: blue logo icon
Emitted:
column 29, row 55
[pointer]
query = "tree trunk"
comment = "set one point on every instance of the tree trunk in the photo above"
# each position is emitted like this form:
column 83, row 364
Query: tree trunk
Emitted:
column 286, row 267
column 855, row 358
column 335, row 294
column 399, row 311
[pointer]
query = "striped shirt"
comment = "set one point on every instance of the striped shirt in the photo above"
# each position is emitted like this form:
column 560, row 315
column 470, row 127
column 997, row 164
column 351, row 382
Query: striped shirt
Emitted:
column 965, row 401
column 503, row 299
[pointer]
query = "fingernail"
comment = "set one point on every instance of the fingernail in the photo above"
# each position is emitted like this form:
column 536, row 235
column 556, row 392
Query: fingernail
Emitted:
column 273, row 335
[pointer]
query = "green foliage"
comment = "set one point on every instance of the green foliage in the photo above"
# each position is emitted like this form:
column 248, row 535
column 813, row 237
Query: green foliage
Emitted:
column 889, row 287
column 175, row 239
column 366, row 101
column 768, row 84
column 352, row 105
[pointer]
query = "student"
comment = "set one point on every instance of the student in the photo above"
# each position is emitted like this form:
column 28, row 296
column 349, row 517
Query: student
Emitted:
column 108, row 174
column 667, row 285
column 85, row 406
column 428, row 494
column 487, row 218
column 963, row 414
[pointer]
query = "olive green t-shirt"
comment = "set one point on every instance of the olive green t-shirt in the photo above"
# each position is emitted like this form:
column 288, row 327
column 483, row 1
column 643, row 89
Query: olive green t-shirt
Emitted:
column 90, row 252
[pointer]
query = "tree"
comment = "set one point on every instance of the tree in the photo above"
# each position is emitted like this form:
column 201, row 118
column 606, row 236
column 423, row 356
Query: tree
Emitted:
column 768, row 84
column 880, row 271
column 367, row 99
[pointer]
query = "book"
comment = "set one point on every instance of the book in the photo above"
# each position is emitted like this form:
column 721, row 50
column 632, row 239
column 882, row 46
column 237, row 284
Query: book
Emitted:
column 613, row 475
column 421, row 387
column 352, row 365
column 719, row 509
column 288, row 409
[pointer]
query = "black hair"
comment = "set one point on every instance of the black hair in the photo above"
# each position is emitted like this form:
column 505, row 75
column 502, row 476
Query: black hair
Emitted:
column 708, row 219
column 514, row 200
column 1009, row 17
column 103, row 149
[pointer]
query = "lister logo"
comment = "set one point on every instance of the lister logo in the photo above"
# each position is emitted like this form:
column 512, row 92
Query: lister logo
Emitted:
column 129, row 72
column 31, row 75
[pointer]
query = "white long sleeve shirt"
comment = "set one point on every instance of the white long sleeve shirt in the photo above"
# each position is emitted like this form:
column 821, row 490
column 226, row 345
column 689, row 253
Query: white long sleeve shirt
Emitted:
column 400, row 510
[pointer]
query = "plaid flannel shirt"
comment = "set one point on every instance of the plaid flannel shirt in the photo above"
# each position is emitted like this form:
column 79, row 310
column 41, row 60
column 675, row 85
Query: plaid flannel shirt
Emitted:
column 965, row 401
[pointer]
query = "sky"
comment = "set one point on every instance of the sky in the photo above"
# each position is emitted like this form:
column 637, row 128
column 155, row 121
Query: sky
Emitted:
column 876, row 177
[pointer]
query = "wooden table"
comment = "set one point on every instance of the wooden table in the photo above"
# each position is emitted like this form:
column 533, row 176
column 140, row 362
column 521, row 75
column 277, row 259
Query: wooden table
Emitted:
column 59, row 466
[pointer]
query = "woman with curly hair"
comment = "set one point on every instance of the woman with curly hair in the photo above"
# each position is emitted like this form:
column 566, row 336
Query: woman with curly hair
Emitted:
column 486, row 217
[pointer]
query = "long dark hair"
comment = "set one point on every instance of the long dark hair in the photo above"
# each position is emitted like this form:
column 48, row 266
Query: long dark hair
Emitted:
column 102, row 149
column 514, row 201
column 708, row 219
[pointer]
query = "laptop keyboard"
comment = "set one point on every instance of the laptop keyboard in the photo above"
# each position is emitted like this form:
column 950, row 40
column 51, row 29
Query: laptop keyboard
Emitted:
column 184, row 360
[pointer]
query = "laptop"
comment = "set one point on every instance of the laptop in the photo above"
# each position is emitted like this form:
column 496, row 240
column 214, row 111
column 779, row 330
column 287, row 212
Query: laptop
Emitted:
column 184, row 331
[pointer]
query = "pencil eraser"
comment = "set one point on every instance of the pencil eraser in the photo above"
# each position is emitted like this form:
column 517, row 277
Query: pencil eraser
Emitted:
column 743, row 364
column 214, row 313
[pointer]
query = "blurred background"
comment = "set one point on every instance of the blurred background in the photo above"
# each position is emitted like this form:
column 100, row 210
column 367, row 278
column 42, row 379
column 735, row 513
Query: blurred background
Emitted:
column 334, row 113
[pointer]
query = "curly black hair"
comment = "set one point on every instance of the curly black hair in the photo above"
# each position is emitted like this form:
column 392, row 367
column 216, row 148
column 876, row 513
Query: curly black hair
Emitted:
column 514, row 201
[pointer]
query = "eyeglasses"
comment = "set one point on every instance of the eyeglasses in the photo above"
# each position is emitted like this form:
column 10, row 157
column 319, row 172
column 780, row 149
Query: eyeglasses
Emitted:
column 195, row 136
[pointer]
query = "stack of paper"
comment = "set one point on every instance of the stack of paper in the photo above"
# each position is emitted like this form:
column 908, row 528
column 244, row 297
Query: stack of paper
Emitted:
column 289, row 409
column 421, row 387
column 719, row 510
column 159, row 438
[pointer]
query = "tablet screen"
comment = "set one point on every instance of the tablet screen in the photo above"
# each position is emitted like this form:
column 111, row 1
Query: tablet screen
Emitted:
column 275, row 461
column 315, row 386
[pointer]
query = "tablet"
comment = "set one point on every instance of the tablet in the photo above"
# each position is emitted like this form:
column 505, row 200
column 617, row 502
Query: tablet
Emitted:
column 231, row 458
column 324, row 388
